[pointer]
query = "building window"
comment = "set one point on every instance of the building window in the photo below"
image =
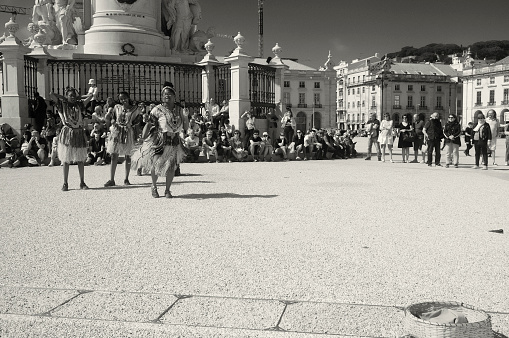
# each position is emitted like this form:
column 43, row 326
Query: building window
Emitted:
column 410, row 88
column 506, row 78
column 317, row 84
column 439, row 102
column 492, row 80
column 359, row 78
column 302, row 84
column 363, row 90
column 458, row 103
column 396, row 100
column 348, row 104
column 317, row 98
column 410, row 101
column 373, row 88
column 439, row 89
column 286, row 98
column 506, row 96
column 363, row 103
column 478, row 82
column 348, row 91
column 423, row 88
column 396, row 87
column 340, row 91
column 492, row 97
column 363, row 78
column 373, row 102
column 358, row 103
column 302, row 98
column 423, row 101
column 287, row 84
column 478, row 102
column 340, row 104
column 358, row 90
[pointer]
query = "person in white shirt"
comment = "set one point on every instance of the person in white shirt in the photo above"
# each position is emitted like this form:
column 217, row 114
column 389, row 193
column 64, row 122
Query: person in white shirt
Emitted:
column 192, row 142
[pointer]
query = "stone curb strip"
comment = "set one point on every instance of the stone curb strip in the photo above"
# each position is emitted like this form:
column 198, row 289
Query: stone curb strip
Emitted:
column 263, row 315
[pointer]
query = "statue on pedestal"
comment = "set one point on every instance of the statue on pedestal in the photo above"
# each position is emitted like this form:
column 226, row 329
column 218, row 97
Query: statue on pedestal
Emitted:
column 65, row 14
column 180, row 19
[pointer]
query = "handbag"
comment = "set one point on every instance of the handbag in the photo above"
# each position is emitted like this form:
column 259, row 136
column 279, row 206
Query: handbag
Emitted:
column 408, row 136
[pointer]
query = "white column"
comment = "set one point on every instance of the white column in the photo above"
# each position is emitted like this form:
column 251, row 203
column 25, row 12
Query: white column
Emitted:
column 14, row 99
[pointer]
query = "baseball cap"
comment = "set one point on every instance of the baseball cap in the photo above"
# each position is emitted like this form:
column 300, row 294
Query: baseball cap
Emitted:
column 265, row 133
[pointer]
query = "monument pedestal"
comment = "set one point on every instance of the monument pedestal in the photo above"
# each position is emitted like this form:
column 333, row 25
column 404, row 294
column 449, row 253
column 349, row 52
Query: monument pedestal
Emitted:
column 120, row 29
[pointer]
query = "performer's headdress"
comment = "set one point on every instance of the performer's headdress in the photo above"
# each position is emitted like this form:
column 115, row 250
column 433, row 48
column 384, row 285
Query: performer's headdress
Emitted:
column 169, row 85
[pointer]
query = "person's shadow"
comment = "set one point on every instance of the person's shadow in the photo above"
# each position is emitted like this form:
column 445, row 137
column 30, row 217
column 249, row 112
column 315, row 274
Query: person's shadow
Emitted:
column 221, row 195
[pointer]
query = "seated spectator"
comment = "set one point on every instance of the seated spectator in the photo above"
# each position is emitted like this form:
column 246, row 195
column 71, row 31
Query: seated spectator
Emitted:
column 192, row 142
column 320, row 151
column 281, row 146
column 311, row 143
column 224, row 113
column 339, row 144
column 256, row 145
column 19, row 159
column 297, row 145
column 54, row 152
column 209, row 145
column 349, row 145
column 36, row 150
column 97, row 129
column 230, row 128
column 8, row 146
column 223, row 148
column 98, row 115
column 329, row 148
column 268, row 149
column 238, row 146
column 97, row 150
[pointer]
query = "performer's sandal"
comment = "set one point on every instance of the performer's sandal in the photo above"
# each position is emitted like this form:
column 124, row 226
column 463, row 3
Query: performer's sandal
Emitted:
column 65, row 187
column 155, row 194
column 83, row 186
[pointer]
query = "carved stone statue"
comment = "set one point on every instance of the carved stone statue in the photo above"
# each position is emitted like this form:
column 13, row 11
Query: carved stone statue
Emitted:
column 43, row 11
column 180, row 19
column 65, row 14
column 43, row 18
column 199, row 39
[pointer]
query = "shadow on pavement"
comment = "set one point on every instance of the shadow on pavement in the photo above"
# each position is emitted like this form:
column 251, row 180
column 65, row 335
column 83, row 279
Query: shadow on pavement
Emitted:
column 222, row 195
column 499, row 335
column 142, row 185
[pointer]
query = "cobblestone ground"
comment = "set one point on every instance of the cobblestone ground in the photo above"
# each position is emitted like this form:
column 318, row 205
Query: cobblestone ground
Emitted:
column 286, row 249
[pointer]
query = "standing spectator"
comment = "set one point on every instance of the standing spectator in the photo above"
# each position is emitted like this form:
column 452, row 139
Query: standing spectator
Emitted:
column 237, row 144
column 385, row 137
column 224, row 148
column 50, row 129
column 192, row 143
column 250, row 127
column 452, row 133
column 419, row 138
column 224, row 113
column 209, row 145
column 268, row 149
column 97, row 150
column 39, row 111
column 256, row 145
column 288, row 124
column 92, row 90
column 494, row 124
column 212, row 107
column 434, row 134
column 469, row 132
column 297, row 145
column 272, row 121
column 373, row 129
column 281, row 146
column 506, row 133
column 482, row 140
column 404, row 130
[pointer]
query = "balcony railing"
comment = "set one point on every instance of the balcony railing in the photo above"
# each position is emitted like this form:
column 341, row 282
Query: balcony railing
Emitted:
column 478, row 104
column 396, row 106
column 317, row 105
column 373, row 106
column 423, row 107
column 302, row 105
column 439, row 108
column 504, row 102
column 410, row 107
column 491, row 103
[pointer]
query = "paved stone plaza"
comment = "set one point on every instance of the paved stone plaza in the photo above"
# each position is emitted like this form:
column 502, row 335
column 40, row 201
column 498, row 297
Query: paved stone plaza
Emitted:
column 251, row 249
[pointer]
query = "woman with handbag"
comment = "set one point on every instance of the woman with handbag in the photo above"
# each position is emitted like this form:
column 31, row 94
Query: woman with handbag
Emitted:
column 406, row 138
column 385, row 137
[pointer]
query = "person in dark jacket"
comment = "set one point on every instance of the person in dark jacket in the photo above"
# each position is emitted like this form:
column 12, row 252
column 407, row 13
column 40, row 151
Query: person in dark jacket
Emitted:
column 482, row 140
column 468, row 138
column 433, row 133
column 452, row 132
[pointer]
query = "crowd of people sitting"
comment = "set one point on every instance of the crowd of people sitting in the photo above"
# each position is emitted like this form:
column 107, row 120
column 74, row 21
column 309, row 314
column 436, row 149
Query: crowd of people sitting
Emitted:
column 428, row 137
column 210, row 135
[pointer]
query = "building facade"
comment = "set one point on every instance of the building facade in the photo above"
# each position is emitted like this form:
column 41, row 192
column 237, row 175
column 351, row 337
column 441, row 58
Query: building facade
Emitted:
column 486, row 88
column 374, row 86
column 311, row 94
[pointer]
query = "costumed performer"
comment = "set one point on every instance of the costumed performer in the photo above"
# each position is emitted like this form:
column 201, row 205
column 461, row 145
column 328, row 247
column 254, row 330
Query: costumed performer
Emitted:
column 162, row 149
column 72, row 140
column 121, row 139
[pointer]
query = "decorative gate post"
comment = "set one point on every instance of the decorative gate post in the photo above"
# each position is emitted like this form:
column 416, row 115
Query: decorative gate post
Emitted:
column 239, row 101
column 14, row 99
column 208, row 81
column 277, row 63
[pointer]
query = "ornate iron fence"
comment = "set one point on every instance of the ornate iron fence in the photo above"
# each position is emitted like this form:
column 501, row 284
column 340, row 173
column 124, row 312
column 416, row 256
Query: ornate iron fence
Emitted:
column 261, row 89
column 142, row 80
column 222, row 76
column 30, row 77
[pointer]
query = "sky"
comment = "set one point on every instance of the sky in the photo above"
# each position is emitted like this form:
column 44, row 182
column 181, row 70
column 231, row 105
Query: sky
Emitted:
column 353, row 29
